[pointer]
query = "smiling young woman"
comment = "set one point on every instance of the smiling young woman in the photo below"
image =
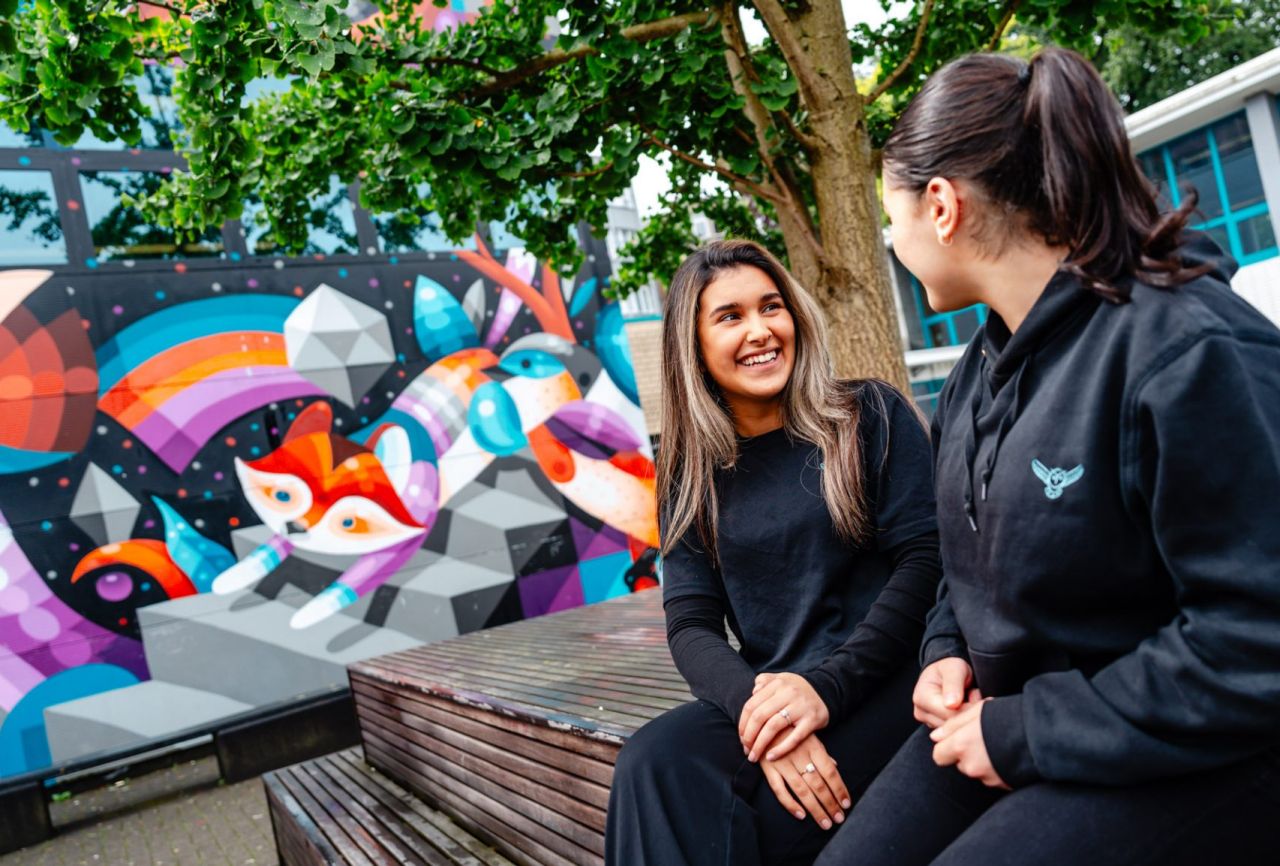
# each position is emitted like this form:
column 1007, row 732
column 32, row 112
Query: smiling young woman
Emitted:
column 800, row 508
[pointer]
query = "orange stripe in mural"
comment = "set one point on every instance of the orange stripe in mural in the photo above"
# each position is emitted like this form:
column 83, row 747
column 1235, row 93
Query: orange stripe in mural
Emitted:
column 176, row 369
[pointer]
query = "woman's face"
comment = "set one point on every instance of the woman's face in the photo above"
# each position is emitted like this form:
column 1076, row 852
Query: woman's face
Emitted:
column 747, row 336
column 923, row 227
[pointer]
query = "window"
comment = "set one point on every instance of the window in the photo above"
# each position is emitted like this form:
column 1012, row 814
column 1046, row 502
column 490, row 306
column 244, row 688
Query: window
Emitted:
column 1219, row 162
column 945, row 329
column 120, row 231
column 30, row 231
column 332, row 221
column 401, row 234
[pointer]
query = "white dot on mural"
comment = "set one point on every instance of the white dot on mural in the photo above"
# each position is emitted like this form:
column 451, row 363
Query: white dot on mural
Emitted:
column 487, row 408
column 51, row 574
column 39, row 623
column 102, row 430
column 14, row 600
column 70, row 290
column 373, row 251
column 196, row 466
column 34, row 482
column 278, row 264
column 199, row 523
column 390, row 306
column 217, row 287
column 337, row 422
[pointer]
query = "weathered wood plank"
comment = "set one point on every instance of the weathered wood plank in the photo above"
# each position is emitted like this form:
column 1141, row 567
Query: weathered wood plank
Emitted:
column 524, row 762
column 502, row 725
column 336, row 810
column 538, row 817
column 513, row 833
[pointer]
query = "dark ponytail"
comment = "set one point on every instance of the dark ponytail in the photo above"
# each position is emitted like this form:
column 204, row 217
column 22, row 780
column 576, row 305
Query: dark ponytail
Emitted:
column 1046, row 143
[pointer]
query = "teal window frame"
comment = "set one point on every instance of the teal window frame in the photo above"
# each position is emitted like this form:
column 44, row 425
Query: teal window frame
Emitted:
column 927, row 319
column 1230, row 218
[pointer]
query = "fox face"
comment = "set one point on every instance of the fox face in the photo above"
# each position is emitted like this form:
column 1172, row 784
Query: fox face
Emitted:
column 326, row 493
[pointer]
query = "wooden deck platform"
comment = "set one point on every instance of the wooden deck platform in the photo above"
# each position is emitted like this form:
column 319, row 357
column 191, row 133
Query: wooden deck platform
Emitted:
column 336, row 810
column 513, row 731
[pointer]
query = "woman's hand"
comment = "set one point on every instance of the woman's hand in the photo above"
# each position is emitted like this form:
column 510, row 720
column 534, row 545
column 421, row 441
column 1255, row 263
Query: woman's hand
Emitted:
column 958, row 742
column 940, row 691
column 763, row 718
column 808, row 776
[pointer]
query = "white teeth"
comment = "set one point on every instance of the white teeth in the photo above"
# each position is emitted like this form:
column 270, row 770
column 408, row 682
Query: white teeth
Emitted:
column 760, row 359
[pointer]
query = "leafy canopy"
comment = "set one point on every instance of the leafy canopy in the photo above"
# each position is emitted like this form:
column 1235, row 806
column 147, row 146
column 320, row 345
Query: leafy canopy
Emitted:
column 534, row 113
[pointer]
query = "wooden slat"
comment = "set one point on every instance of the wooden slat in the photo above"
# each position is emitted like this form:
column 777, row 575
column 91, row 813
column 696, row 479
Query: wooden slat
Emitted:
column 502, row 725
column 336, row 810
column 517, row 836
column 525, row 758
column 544, row 819
column 528, row 741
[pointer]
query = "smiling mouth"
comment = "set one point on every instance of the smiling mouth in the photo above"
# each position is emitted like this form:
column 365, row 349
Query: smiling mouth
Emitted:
column 761, row 359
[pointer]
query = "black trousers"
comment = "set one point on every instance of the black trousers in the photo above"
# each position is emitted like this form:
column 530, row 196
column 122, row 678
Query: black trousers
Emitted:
column 684, row 793
column 918, row 813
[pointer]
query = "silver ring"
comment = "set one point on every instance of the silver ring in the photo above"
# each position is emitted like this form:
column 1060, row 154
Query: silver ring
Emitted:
column 786, row 714
column 809, row 768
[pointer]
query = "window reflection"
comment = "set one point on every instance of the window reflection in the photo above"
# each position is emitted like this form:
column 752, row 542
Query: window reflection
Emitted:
column 121, row 232
column 331, row 220
column 419, row 230
column 30, row 231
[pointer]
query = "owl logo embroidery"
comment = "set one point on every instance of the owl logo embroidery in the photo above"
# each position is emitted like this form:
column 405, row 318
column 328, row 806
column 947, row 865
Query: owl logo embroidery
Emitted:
column 1055, row 479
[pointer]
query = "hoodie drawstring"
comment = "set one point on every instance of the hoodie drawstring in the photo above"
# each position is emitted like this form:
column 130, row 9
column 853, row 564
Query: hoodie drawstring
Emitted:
column 1007, row 420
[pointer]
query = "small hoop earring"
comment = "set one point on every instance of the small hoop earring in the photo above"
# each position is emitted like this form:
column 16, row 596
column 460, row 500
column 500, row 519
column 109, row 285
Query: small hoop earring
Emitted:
column 945, row 240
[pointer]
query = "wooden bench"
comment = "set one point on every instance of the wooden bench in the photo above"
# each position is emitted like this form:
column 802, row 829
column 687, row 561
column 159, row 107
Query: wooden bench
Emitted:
column 513, row 731
column 338, row 810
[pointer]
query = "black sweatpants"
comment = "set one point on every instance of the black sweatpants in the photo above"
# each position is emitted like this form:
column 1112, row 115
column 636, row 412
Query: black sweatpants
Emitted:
column 683, row 792
column 918, row 813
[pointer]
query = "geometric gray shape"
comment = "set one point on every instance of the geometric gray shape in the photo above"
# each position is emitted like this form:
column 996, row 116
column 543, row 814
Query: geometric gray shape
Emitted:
column 338, row 343
column 250, row 653
column 505, row 510
column 126, row 716
column 102, row 508
column 473, row 304
column 439, row 597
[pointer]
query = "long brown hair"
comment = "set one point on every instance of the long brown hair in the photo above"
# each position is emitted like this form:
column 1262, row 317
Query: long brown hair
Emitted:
column 1045, row 142
column 697, row 428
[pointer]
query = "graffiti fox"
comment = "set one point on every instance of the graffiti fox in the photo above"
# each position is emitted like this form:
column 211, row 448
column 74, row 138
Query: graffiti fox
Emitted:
column 324, row 493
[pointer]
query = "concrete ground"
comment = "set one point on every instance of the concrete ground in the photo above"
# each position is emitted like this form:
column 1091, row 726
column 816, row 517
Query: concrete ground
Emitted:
column 178, row 816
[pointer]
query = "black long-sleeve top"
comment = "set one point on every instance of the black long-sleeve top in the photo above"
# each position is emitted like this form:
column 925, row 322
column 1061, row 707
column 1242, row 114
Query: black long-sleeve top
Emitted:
column 797, row 596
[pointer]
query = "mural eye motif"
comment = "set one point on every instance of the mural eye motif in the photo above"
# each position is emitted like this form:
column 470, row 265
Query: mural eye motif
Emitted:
column 356, row 524
column 533, row 363
column 275, row 497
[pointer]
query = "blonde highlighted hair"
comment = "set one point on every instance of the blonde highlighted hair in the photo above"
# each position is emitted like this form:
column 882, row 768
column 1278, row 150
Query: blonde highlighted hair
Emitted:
column 697, row 428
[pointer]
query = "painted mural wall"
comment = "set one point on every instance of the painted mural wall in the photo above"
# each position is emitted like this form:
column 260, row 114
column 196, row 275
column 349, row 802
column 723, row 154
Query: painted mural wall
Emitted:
column 219, row 487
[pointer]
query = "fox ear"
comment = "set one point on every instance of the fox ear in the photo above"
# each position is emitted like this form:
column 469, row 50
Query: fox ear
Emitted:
column 316, row 418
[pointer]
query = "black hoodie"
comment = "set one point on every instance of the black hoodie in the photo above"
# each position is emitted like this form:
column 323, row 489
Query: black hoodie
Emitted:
column 1108, row 487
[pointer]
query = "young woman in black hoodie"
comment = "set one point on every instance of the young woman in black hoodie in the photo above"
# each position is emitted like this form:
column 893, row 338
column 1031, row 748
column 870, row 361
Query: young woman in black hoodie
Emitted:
column 1101, row 676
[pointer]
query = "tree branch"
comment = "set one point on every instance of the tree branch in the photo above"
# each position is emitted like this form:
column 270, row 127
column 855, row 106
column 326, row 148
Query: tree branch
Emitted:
column 646, row 32
column 761, row 119
column 1009, row 10
column 172, row 10
column 600, row 169
column 906, row 61
column 779, row 27
column 736, row 179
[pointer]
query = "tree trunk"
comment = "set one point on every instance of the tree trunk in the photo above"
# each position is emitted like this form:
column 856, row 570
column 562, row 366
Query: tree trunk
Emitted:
column 851, row 273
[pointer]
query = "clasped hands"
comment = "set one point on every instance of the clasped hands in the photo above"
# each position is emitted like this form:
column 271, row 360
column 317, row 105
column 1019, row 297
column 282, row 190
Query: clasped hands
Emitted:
column 944, row 702
column 777, row 728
